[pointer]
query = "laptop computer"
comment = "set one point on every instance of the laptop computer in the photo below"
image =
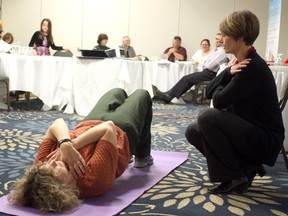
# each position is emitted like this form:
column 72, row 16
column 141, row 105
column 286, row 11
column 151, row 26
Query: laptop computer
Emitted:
column 100, row 54
column 97, row 54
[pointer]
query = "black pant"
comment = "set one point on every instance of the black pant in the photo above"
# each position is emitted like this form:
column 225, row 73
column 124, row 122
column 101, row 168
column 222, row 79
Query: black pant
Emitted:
column 132, row 114
column 229, row 143
column 186, row 82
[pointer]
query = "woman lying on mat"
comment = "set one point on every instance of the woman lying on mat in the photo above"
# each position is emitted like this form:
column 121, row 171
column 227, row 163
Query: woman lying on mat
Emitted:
column 85, row 162
column 249, row 132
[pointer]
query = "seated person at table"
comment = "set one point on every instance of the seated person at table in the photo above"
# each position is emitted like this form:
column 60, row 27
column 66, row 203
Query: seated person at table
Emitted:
column 43, row 39
column 102, row 42
column 8, row 38
column 211, row 66
column 2, row 31
column 245, row 128
column 129, row 50
column 176, row 52
column 200, row 56
column 4, row 46
column 85, row 162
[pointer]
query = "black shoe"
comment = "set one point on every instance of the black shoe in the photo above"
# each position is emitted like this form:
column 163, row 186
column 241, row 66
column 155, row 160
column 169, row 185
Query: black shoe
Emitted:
column 163, row 96
column 167, row 97
column 154, row 88
column 12, row 94
column 238, row 185
column 253, row 171
column 218, row 188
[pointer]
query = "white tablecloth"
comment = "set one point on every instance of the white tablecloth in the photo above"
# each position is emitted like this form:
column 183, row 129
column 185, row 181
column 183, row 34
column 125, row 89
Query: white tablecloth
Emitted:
column 49, row 78
column 165, row 75
column 93, row 78
column 280, row 74
column 75, row 83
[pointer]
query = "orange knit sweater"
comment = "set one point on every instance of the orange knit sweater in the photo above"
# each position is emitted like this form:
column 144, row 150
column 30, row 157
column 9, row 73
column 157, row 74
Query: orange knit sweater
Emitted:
column 104, row 162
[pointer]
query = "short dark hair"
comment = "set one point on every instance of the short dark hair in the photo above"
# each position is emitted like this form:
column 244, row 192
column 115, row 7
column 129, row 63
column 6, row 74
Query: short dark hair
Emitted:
column 102, row 37
column 207, row 40
column 177, row 38
column 8, row 36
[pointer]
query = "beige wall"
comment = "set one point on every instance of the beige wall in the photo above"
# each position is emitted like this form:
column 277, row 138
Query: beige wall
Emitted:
column 151, row 24
column 283, row 39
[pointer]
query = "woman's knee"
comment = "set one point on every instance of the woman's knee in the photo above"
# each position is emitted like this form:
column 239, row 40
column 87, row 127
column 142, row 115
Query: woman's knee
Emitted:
column 143, row 96
column 192, row 132
column 142, row 93
column 193, row 136
column 118, row 91
column 209, row 117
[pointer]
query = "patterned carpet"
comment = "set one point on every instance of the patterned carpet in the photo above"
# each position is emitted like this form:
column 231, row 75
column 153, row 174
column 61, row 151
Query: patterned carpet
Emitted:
column 182, row 192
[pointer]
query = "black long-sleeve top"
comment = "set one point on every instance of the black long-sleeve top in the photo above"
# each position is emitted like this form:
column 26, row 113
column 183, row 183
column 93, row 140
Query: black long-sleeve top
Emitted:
column 252, row 95
column 36, row 40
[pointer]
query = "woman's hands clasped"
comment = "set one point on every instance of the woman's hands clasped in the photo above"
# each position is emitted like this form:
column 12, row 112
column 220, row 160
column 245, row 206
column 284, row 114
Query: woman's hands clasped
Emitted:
column 237, row 66
column 70, row 156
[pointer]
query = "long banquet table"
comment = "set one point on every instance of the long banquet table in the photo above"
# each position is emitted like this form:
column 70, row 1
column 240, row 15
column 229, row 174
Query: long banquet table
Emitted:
column 77, row 84
column 49, row 78
column 165, row 75
column 73, row 83
column 280, row 74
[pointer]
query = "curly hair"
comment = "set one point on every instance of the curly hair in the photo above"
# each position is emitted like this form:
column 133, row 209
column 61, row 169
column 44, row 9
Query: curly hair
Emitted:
column 38, row 188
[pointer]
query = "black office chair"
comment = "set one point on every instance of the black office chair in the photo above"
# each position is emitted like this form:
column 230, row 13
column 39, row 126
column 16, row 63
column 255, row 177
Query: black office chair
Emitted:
column 4, row 82
column 200, row 90
column 63, row 53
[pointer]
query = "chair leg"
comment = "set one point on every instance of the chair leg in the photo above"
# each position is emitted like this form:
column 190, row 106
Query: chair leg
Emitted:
column 8, row 96
column 203, row 93
column 6, row 82
column 285, row 157
column 27, row 97
column 17, row 95
column 195, row 95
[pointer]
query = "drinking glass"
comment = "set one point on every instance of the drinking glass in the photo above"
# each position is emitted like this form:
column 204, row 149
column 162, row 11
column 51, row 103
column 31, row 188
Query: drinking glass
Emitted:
column 279, row 60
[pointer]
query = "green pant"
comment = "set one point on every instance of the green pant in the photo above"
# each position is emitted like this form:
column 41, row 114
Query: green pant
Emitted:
column 132, row 114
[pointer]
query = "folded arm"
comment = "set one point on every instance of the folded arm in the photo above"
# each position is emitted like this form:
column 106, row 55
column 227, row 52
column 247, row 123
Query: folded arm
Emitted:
column 68, row 150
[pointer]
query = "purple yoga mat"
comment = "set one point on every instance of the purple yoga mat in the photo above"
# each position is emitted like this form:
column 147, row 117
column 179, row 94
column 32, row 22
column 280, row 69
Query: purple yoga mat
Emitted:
column 127, row 188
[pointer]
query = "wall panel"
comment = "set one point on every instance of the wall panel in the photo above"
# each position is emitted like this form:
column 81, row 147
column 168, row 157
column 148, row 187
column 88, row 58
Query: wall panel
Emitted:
column 260, row 9
column 21, row 18
column 66, row 17
column 151, row 24
column 110, row 17
column 200, row 19
column 283, row 44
